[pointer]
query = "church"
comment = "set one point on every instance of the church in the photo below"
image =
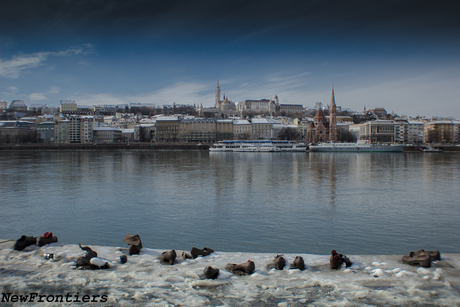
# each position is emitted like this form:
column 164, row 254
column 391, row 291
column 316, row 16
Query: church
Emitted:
column 322, row 130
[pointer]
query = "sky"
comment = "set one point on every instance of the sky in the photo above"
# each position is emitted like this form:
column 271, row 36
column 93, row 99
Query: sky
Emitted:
column 401, row 55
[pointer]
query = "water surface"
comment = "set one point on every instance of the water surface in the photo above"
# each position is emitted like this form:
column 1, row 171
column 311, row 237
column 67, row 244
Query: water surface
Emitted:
column 358, row 203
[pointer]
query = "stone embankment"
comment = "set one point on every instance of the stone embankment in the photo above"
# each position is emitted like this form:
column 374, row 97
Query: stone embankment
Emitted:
column 420, row 148
column 104, row 147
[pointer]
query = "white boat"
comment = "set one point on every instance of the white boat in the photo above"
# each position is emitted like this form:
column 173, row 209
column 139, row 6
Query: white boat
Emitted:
column 360, row 146
column 257, row 146
column 431, row 149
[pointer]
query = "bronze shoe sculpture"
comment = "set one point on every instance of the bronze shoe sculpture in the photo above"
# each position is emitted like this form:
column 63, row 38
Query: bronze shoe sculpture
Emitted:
column 135, row 244
column 195, row 252
column 434, row 255
column 336, row 260
column 84, row 262
column 422, row 260
column 298, row 263
column 168, row 257
column 185, row 255
column 47, row 238
column 278, row 262
column 244, row 268
column 211, row 272
column 24, row 241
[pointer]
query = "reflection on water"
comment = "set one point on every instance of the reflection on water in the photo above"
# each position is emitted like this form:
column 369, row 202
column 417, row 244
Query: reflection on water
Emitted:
column 359, row 203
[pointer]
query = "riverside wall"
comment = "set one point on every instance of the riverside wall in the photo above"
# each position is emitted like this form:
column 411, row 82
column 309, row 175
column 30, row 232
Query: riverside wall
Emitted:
column 103, row 147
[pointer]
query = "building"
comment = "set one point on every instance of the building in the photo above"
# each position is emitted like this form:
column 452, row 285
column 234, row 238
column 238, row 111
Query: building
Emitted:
column 242, row 129
column 107, row 135
column 3, row 104
column 224, row 129
column 197, row 130
column 81, row 129
column 144, row 133
column 226, row 107
column 127, row 135
column 302, row 126
column 261, row 129
column 378, row 131
column 442, row 132
column 409, row 132
column 321, row 129
column 17, row 131
column 68, row 106
column 18, row 105
column 259, row 107
column 45, row 131
column 167, row 129
column 62, row 132
column 291, row 109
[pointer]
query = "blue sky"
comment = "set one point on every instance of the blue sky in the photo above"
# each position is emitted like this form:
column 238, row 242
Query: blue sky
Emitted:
column 400, row 55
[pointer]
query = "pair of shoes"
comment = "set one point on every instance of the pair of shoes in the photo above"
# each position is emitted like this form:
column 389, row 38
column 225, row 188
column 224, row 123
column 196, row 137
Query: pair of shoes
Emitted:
column 278, row 262
column 84, row 262
column 195, row 252
column 211, row 272
column 47, row 238
column 135, row 244
column 244, row 268
column 422, row 259
column 185, row 255
column 336, row 260
column 434, row 255
column 168, row 257
column 298, row 263
column 24, row 241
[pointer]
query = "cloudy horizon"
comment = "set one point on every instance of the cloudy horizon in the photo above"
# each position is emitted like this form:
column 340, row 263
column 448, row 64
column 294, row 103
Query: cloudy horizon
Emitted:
column 399, row 55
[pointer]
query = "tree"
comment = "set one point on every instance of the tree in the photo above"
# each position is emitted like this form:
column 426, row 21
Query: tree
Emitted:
column 289, row 133
column 345, row 136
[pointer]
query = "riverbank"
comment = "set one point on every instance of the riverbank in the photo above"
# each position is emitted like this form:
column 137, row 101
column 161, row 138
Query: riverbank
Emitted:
column 143, row 280
column 104, row 147
column 162, row 146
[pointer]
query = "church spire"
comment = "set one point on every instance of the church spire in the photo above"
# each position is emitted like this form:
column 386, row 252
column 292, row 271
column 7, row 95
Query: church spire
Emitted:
column 332, row 111
column 332, row 95
column 217, row 94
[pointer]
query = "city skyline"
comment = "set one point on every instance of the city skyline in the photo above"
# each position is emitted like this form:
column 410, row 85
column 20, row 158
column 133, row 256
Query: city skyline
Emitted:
column 399, row 55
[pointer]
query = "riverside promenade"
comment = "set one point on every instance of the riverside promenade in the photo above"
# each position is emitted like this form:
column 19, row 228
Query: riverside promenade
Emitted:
column 103, row 147
column 162, row 146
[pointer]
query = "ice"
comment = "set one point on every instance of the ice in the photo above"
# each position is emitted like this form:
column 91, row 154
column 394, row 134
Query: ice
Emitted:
column 143, row 280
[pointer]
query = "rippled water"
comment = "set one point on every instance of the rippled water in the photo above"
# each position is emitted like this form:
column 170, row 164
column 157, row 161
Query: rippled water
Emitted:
column 358, row 203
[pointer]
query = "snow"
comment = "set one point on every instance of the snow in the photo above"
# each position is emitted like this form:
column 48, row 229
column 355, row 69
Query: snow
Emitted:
column 370, row 281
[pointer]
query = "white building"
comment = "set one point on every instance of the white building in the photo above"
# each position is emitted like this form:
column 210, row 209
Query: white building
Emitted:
column 107, row 135
column 62, row 132
column 242, row 129
column 68, row 106
column 261, row 128
column 81, row 129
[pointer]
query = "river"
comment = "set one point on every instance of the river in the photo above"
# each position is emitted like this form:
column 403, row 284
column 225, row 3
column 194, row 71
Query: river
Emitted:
column 357, row 203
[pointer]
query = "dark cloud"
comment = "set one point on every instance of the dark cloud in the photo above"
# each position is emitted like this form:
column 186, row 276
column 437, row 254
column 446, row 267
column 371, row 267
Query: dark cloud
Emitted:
column 278, row 18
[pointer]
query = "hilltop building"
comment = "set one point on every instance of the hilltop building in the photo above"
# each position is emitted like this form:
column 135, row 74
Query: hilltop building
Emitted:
column 18, row 105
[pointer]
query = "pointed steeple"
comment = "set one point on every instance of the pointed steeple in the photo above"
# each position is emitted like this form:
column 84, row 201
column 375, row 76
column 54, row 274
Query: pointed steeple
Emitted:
column 217, row 94
column 332, row 96
column 333, row 123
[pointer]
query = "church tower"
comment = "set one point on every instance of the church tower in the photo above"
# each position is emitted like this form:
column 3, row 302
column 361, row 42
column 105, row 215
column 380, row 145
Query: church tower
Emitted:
column 217, row 95
column 332, row 117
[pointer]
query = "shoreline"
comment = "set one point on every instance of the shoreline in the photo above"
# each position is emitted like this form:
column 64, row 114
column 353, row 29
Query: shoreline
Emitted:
column 372, row 280
column 162, row 146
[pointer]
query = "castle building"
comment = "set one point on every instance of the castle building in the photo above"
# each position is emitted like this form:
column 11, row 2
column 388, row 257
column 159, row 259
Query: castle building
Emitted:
column 320, row 129
column 225, row 106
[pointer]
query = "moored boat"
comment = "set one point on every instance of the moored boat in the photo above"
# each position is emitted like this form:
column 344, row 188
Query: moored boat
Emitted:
column 258, row 146
column 360, row 146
